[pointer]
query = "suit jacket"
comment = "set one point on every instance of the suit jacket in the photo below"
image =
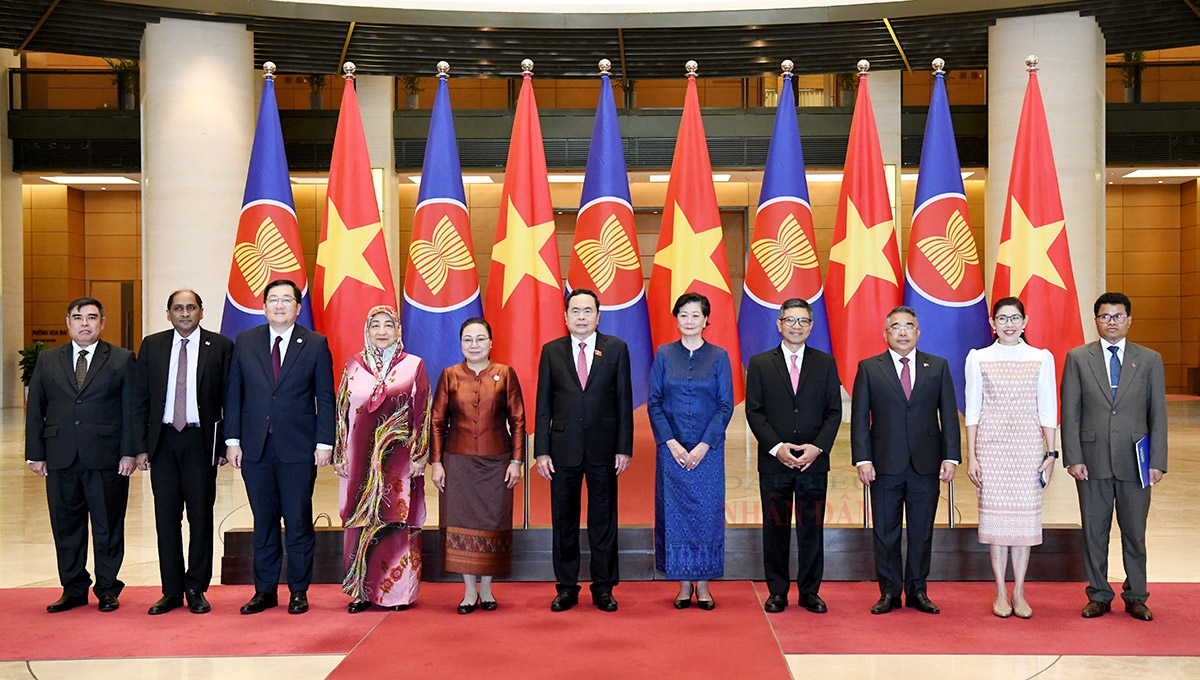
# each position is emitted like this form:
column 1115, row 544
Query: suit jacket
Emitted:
column 890, row 431
column 811, row 416
column 63, row 422
column 1100, row 431
column 575, row 425
column 150, row 393
column 298, row 408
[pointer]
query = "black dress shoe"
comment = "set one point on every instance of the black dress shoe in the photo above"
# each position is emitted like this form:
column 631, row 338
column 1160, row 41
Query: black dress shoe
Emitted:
column 358, row 606
column 165, row 604
column 813, row 603
column 488, row 605
column 197, row 603
column 66, row 602
column 921, row 602
column 468, row 608
column 706, row 605
column 775, row 604
column 298, row 604
column 683, row 603
column 605, row 602
column 886, row 604
column 1138, row 610
column 109, row 603
column 1095, row 608
column 260, row 603
column 399, row 607
column 564, row 601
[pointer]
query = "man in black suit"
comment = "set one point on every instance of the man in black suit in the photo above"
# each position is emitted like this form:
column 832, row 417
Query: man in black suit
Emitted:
column 904, row 440
column 279, row 427
column 78, row 436
column 794, row 408
column 181, row 380
column 584, row 431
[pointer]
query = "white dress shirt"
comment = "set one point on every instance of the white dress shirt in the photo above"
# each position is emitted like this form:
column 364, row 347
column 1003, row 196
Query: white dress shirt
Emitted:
column 193, row 362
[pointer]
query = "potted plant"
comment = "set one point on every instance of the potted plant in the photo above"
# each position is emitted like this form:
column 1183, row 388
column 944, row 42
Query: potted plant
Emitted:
column 125, row 79
column 29, row 358
column 1131, row 74
column 847, row 85
column 412, row 87
column 316, row 83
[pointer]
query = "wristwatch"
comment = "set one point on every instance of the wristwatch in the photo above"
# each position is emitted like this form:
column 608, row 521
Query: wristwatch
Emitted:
column 1051, row 454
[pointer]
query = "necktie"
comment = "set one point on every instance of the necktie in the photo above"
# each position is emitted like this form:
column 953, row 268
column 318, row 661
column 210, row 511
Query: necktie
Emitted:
column 179, row 418
column 581, row 365
column 1114, row 369
column 276, row 358
column 794, row 371
column 905, row 378
column 81, row 368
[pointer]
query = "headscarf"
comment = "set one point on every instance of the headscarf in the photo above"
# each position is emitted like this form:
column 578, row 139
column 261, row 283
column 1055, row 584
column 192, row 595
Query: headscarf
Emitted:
column 381, row 361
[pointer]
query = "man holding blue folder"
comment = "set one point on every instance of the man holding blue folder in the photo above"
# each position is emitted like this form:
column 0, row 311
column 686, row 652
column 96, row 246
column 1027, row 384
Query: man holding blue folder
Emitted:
column 1113, row 403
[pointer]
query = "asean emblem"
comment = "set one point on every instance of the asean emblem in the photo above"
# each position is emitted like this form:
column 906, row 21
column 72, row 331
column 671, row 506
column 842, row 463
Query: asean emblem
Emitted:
column 605, row 257
column 945, row 265
column 441, row 266
column 266, row 250
column 783, row 262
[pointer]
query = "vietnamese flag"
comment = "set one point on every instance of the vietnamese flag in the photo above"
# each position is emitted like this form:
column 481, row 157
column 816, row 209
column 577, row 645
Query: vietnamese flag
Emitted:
column 1034, row 261
column 691, row 253
column 352, row 274
column 524, row 300
column 863, row 283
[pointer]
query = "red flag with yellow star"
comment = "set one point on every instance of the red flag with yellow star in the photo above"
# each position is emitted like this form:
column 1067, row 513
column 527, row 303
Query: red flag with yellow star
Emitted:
column 691, row 254
column 863, row 283
column 1034, row 261
column 524, row 300
column 352, row 274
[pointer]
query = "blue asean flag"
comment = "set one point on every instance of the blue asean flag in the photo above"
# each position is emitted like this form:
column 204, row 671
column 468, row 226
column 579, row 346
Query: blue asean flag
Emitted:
column 441, row 285
column 268, row 239
column 782, row 262
column 943, row 280
column 604, row 256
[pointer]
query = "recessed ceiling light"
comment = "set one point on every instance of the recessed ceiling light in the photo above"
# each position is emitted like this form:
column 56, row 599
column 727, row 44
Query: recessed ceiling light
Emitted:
column 88, row 179
column 1153, row 173
column 467, row 179
column 717, row 177
column 309, row 180
column 564, row 179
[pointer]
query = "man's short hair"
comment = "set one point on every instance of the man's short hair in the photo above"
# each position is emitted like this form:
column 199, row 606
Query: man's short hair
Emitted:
column 794, row 303
column 902, row 309
column 1113, row 299
column 583, row 291
column 171, row 298
column 282, row 282
column 79, row 303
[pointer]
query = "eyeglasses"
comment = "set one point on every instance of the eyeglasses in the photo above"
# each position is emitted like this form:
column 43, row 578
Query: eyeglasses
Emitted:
column 897, row 327
column 276, row 301
column 1006, row 319
column 1109, row 318
column 801, row 321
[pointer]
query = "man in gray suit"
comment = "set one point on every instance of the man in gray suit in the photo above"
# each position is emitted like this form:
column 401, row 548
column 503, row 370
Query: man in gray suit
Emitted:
column 1113, row 394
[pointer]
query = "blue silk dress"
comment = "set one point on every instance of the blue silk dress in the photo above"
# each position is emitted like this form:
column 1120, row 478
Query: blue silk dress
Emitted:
column 691, row 400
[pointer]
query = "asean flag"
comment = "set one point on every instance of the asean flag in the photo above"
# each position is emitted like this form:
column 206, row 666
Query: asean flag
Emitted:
column 863, row 283
column 1034, row 260
column 691, row 253
column 782, row 262
column 524, row 300
column 352, row 274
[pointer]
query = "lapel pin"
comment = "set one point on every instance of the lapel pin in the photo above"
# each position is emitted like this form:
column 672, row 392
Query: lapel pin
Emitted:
column 208, row 342
column 299, row 340
column 599, row 353
column 496, row 378
column 1134, row 365
column 924, row 365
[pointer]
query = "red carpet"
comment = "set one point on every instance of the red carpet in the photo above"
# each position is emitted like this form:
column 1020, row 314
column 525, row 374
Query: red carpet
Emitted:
column 967, row 626
column 29, row 633
column 647, row 638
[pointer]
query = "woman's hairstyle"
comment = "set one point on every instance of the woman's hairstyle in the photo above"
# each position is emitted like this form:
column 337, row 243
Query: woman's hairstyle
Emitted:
column 475, row 320
column 689, row 298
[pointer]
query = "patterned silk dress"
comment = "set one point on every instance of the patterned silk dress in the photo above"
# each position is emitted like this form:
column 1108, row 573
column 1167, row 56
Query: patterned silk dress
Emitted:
column 691, row 401
column 1010, row 397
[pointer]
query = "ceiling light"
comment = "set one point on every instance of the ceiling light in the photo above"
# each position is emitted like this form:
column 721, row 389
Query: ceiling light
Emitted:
column 564, row 179
column 309, row 180
column 466, row 179
column 89, row 179
column 721, row 177
column 1154, row 173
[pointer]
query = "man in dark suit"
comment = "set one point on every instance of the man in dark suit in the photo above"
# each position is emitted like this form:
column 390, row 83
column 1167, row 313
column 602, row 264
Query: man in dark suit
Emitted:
column 181, row 380
column 78, row 436
column 794, row 408
column 904, row 440
column 279, row 427
column 584, row 431
column 1113, row 395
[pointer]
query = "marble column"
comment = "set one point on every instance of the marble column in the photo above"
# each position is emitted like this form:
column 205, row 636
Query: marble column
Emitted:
column 1071, row 77
column 198, row 102
column 884, row 87
column 12, row 255
column 376, row 101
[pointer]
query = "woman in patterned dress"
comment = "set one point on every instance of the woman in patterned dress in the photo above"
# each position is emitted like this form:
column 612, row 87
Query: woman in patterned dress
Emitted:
column 380, row 454
column 691, row 402
column 1011, row 416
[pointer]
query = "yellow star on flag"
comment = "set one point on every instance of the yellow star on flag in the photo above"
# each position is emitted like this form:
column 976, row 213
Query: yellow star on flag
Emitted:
column 689, row 257
column 1027, row 251
column 341, row 254
column 520, row 252
column 861, row 251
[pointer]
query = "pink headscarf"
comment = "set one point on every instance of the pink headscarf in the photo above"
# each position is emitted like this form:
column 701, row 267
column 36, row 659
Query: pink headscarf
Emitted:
column 381, row 361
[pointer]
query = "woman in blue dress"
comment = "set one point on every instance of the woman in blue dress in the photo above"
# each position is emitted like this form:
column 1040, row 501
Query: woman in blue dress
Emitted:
column 691, row 402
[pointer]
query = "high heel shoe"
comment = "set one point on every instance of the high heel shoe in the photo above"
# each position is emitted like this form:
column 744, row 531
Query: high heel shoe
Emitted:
column 706, row 605
column 1021, row 608
column 1002, row 608
column 685, row 602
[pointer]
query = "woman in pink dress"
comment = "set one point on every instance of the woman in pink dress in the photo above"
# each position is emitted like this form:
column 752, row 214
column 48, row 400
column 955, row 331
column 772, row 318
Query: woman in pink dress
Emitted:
column 382, row 447
column 1011, row 416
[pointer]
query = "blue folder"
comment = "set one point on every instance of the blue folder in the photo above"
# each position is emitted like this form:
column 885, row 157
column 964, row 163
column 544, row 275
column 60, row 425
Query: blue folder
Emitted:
column 1142, row 447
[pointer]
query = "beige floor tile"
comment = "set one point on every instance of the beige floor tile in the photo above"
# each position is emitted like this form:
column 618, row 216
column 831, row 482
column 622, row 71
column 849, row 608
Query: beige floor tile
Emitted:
column 225, row 668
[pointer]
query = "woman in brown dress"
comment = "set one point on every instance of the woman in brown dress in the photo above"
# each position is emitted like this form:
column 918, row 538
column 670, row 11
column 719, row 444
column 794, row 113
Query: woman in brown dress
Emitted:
column 478, row 453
